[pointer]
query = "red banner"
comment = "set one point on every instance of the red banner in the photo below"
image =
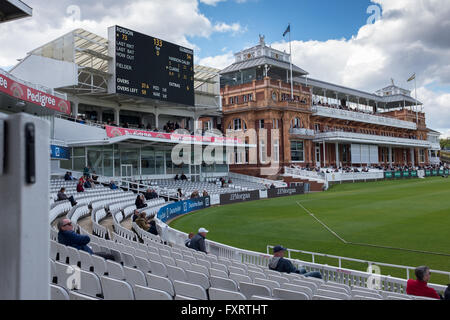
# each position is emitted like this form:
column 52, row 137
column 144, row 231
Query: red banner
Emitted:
column 113, row 132
column 28, row 94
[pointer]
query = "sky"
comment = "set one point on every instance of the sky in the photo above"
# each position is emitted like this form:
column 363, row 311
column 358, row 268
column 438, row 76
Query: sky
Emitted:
column 361, row 44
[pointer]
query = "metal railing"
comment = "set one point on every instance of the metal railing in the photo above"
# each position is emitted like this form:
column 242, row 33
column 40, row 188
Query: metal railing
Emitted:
column 370, row 264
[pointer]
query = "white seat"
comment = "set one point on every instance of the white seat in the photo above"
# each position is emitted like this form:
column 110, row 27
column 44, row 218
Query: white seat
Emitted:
column 318, row 297
column 285, row 294
column 337, row 288
column 134, row 276
column 223, row 283
column 176, row 273
column 366, row 294
column 389, row 297
column 250, row 289
column 240, row 278
column 221, row 294
column 271, row 284
column 278, row 279
column 198, row 278
column 256, row 274
column 189, row 290
column 89, row 284
column 332, row 294
column 114, row 289
column 237, row 270
column 200, row 268
column 160, row 283
column 262, row 298
column 294, row 287
column 99, row 264
column 128, row 260
column 183, row 264
column 180, row 297
column 144, row 293
column 78, row 296
column 219, row 266
column 115, row 270
column 58, row 293
column 143, row 264
column 201, row 261
column 218, row 273
column 85, row 260
column 158, row 268
column 313, row 286
column 358, row 297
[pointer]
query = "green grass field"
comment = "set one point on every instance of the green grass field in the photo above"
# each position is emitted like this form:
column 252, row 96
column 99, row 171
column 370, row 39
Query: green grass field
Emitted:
column 410, row 214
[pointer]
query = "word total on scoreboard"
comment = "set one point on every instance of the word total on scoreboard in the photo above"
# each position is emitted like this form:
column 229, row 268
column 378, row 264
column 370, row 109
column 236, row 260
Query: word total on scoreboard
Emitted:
column 149, row 67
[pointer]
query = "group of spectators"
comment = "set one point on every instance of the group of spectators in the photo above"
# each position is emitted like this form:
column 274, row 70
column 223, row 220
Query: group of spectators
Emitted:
column 146, row 223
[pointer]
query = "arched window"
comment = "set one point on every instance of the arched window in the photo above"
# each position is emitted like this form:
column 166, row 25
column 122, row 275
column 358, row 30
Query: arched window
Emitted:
column 237, row 125
column 297, row 123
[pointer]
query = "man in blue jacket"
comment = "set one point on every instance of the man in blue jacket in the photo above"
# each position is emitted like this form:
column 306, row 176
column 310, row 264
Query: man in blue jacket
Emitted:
column 68, row 237
column 280, row 264
column 198, row 241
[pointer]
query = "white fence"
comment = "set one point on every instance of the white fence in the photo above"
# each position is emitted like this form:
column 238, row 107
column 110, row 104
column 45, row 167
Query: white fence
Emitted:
column 329, row 273
column 353, row 176
column 304, row 174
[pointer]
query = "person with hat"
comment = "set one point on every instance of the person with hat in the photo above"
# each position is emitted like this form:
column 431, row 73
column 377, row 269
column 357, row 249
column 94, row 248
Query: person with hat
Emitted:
column 198, row 241
column 280, row 264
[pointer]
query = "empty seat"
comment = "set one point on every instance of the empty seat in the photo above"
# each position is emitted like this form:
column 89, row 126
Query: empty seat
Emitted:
column 233, row 269
column 114, row 289
column 294, row 287
column 158, row 268
column 160, row 283
column 285, row 294
column 367, row 294
column 128, row 260
column 268, row 283
column 176, row 273
column 219, row 266
column 278, row 279
column 222, row 294
column 143, row 264
column 218, row 273
column 250, row 289
column 332, row 294
column 115, row 270
column 134, row 276
column 336, row 287
column 198, row 278
column 189, row 290
column 86, row 261
column 313, row 286
column 358, row 297
column 58, row 293
column 223, row 283
column 145, row 293
column 73, row 295
column 240, row 278
column 99, row 264
column 256, row 274
column 318, row 297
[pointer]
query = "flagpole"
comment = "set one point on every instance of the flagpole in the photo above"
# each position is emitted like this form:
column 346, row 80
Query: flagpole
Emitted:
column 417, row 110
column 290, row 54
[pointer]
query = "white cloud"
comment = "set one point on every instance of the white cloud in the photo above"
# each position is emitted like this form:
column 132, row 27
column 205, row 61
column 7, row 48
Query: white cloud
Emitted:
column 412, row 36
column 219, row 62
column 211, row 2
column 171, row 20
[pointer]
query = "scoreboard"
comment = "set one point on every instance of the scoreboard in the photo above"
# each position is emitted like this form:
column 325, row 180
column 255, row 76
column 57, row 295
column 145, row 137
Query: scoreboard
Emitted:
column 148, row 67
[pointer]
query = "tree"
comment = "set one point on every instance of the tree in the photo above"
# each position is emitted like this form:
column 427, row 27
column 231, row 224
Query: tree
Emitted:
column 445, row 144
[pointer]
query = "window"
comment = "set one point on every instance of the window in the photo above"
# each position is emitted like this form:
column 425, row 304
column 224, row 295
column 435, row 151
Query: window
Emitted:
column 275, row 124
column 297, row 124
column 231, row 100
column 297, row 151
column 262, row 152
column 261, row 124
column 317, row 127
column 276, row 151
column 237, row 124
column 422, row 155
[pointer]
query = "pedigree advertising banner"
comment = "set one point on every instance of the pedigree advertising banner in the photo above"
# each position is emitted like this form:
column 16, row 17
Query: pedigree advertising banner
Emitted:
column 27, row 94
column 113, row 132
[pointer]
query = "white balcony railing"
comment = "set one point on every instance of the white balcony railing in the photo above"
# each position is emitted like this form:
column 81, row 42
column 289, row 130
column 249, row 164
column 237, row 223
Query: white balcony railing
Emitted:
column 371, row 139
column 302, row 132
column 362, row 117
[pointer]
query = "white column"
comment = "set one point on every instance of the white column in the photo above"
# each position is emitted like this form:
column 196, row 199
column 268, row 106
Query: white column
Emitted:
column 337, row 155
column 75, row 109
column 324, row 154
column 412, row 157
column 390, row 156
column 117, row 116
column 156, row 120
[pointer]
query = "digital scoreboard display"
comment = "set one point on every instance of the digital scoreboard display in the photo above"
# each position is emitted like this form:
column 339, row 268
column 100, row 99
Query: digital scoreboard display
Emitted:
column 149, row 67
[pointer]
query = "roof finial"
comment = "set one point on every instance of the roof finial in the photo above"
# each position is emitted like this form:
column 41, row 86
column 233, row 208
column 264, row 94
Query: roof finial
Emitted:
column 262, row 41
column 392, row 80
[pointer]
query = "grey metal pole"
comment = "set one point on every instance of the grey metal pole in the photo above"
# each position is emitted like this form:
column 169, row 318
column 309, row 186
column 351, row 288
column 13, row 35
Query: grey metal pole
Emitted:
column 24, row 213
